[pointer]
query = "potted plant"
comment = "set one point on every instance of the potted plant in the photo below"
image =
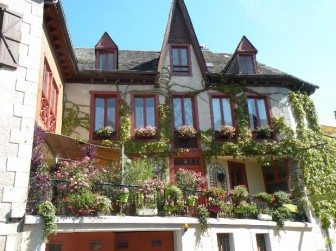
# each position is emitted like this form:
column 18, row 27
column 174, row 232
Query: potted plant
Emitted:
column 145, row 132
column 241, row 207
column 264, row 214
column 104, row 205
column 226, row 207
column 186, row 132
column 192, row 200
column 124, row 194
column 104, row 132
column 148, row 195
column 173, row 199
column 264, row 197
column 239, row 196
column 227, row 131
column 190, row 182
column 216, row 198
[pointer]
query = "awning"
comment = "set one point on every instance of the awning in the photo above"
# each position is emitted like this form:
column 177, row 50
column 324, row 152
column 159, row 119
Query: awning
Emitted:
column 64, row 147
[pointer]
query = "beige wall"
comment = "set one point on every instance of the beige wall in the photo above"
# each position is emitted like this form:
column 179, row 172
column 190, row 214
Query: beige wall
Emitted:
column 48, row 54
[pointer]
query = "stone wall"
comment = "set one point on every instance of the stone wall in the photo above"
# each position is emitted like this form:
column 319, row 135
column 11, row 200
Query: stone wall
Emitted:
column 18, row 91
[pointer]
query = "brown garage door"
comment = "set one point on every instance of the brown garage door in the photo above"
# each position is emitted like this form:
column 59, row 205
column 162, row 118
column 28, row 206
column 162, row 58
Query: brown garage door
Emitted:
column 108, row 241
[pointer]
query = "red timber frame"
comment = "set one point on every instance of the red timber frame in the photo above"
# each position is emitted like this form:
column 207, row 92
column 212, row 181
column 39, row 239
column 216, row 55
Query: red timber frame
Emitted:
column 172, row 66
column 102, row 94
column 132, row 105
column 49, row 99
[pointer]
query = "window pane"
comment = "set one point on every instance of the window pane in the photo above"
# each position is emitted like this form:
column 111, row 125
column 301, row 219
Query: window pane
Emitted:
column 150, row 112
column 175, row 56
column 249, row 63
column 242, row 64
column 177, row 112
column 188, row 116
column 184, row 56
column 252, row 114
column 110, row 59
column 139, row 112
column 102, row 62
column 53, row 98
column 46, row 76
column 99, row 113
column 262, row 112
column 282, row 171
column 227, row 111
column 268, row 173
column 217, row 120
column 111, row 112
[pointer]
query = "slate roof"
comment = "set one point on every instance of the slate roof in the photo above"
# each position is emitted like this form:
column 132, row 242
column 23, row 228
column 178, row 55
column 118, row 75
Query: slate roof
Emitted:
column 148, row 61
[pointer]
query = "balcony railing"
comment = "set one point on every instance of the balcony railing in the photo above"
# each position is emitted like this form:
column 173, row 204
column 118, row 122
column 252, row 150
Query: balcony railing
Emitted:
column 112, row 191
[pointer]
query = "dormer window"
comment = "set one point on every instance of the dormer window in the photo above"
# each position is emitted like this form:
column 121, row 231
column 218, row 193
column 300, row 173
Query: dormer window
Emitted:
column 106, row 60
column 106, row 54
column 180, row 60
column 246, row 64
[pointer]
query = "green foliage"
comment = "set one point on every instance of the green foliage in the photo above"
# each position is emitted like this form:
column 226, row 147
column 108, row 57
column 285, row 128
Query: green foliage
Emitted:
column 203, row 216
column 48, row 211
column 82, row 203
column 73, row 118
column 280, row 215
column 138, row 171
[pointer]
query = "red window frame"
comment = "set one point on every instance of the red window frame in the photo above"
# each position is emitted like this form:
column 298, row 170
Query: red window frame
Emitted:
column 233, row 168
column 106, row 53
column 49, row 99
column 223, row 246
column 275, row 170
column 181, row 72
column 105, row 96
column 261, row 240
column 193, row 110
column 267, row 109
column 220, row 97
column 144, row 96
column 243, row 68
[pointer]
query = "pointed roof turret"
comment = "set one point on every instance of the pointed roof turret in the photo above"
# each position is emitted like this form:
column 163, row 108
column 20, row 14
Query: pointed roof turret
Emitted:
column 180, row 30
column 106, row 42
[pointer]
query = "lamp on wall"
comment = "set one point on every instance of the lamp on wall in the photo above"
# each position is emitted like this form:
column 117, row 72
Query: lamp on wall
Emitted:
column 185, row 227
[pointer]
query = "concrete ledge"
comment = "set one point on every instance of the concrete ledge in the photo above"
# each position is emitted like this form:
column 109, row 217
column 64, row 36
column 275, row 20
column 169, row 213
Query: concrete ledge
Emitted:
column 114, row 223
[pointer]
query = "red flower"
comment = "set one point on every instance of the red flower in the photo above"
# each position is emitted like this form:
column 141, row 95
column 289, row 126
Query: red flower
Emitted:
column 70, row 207
column 67, row 199
column 89, row 211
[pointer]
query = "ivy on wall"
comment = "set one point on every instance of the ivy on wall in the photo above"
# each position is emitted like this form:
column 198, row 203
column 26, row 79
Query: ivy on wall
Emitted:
column 74, row 117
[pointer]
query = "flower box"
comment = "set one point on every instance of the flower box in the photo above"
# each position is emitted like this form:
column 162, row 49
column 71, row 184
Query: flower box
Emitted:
column 146, row 211
column 185, row 142
column 263, row 133
column 147, row 132
column 226, row 132
column 186, row 132
column 264, row 217
column 96, row 136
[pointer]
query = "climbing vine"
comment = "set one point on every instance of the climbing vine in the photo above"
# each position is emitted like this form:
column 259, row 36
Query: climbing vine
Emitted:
column 73, row 118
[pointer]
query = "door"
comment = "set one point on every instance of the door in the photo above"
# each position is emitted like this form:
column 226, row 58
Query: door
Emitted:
column 237, row 173
column 144, row 241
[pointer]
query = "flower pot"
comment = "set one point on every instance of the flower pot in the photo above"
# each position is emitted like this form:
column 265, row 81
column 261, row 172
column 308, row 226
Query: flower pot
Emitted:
column 191, row 202
column 124, row 198
column 146, row 211
column 265, row 217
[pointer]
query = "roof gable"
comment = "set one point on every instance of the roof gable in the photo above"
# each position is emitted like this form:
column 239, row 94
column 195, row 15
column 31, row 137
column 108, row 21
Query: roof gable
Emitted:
column 106, row 42
column 245, row 46
column 180, row 30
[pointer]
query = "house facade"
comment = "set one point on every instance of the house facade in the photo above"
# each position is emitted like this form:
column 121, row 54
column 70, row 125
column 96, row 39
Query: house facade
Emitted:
column 172, row 107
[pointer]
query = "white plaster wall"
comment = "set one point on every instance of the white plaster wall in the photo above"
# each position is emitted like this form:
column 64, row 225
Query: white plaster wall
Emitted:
column 18, row 91
column 295, row 236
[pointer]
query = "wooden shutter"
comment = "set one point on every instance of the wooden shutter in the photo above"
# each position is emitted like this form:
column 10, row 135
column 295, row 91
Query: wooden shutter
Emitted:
column 10, row 37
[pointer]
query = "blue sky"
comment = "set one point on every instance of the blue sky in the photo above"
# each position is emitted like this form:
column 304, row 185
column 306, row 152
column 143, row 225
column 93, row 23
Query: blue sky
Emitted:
column 298, row 37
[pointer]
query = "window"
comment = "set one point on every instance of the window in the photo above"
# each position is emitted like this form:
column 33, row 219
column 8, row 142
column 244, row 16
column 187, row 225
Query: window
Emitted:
column 257, row 112
column 144, row 111
column 276, row 177
column 180, row 60
column 104, row 112
column 261, row 243
column 55, row 247
column 183, row 111
column 223, row 242
column 221, row 112
column 246, row 64
column 238, row 175
column 48, row 111
column 106, row 61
